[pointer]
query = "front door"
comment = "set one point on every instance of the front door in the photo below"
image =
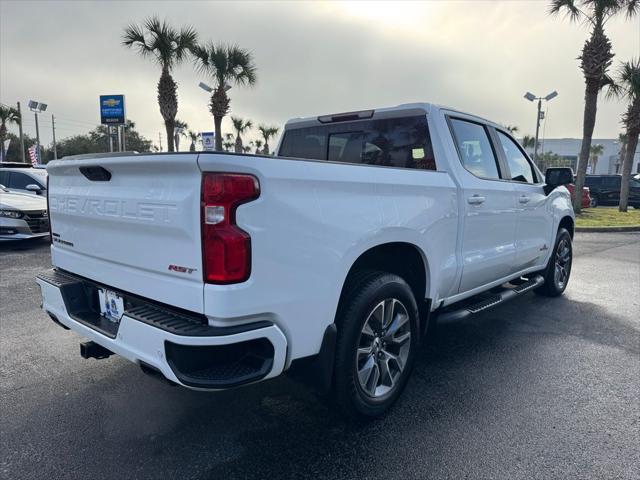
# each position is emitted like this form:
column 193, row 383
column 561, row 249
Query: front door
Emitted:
column 534, row 224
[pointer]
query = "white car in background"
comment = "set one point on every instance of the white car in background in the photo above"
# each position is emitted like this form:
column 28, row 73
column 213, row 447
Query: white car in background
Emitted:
column 23, row 178
column 22, row 216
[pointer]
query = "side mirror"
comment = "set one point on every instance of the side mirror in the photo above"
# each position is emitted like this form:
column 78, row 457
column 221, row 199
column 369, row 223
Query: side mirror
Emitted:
column 32, row 187
column 555, row 177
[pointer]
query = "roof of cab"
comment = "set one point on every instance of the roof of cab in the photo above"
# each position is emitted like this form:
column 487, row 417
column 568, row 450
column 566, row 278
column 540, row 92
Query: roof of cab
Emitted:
column 417, row 108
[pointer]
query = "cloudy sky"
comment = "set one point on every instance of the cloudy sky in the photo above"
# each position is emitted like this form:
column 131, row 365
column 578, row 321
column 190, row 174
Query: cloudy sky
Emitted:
column 312, row 58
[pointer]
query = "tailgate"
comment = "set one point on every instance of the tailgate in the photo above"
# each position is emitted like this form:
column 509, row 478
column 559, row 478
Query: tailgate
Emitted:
column 137, row 231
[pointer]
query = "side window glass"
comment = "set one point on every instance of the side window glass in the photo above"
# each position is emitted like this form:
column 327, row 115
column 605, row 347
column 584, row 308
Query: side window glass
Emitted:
column 475, row 149
column 20, row 180
column 4, row 179
column 611, row 182
column 521, row 169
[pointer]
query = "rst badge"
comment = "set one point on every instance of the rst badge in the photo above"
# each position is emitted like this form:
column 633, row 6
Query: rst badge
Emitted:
column 181, row 269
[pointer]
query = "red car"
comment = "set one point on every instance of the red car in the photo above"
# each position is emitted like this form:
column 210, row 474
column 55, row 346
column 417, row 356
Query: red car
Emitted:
column 586, row 196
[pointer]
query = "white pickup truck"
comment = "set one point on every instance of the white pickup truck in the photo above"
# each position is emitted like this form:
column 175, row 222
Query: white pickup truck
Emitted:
column 215, row 270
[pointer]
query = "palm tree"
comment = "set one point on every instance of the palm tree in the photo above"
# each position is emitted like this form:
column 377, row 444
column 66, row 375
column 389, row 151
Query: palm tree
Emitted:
column 247, row 148
column 267, row 132
column 594, row 152
column 595, row 60
column 258, row 144
column 241, row 127
column 168, row 47
column 528, row 142
column 622, row 140
column 194, row 137
column 227, row 65
column 512, row 129
column 627, row 87
column 179, row 130
column 8, row 115
column 228, row 142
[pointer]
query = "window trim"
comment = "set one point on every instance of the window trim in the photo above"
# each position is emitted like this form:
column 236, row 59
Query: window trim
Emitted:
column 485, row 127
column 537, row 175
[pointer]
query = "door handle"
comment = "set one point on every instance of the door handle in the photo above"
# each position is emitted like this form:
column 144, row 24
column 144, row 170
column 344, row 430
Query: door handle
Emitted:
column 475, row 199
column 524, row 199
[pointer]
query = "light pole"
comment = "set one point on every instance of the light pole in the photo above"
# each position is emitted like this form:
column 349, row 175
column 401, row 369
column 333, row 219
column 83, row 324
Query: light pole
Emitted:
column 36, row 108
column 209, row 89
column 532, row 98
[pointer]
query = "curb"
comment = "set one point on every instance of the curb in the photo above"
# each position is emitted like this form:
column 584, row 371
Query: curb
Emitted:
column 625, row 228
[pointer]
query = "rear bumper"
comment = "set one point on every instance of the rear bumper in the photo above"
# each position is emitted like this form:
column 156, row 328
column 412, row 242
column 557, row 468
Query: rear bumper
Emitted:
column 186, row 351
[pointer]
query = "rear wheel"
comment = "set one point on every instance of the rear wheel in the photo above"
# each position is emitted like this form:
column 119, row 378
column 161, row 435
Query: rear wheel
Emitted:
column 375, row 348
column 558, row 271
column 594, row 201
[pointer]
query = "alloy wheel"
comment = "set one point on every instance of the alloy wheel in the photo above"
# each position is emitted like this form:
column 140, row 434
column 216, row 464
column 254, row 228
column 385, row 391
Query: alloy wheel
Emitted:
column 563, row 264
column 383, row 347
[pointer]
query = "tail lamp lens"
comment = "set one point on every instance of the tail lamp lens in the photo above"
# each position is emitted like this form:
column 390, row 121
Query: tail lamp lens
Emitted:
column 226, row 249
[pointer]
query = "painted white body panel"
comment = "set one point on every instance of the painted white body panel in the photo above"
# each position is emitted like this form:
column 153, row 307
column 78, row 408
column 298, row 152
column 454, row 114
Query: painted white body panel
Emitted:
column 311, row 222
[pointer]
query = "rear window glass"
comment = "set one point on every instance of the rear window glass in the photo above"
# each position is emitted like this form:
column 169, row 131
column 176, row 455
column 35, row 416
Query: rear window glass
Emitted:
column 394, row 142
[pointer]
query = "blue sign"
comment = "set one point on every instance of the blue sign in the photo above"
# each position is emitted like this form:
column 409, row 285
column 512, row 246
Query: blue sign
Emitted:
column 112, row 110
column 208, row 141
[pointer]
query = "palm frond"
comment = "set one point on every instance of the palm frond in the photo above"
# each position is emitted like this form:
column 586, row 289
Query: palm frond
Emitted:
column 241, row 68
column 568, row 7
column 9, row 115
column 158, row 38
column 627, row 81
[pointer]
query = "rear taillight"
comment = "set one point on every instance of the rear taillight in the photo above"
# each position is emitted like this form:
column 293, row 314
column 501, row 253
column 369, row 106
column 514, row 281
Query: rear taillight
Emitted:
column 226, row 249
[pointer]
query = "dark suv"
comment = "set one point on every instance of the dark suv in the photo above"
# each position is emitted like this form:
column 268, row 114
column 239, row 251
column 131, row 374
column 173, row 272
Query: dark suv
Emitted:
column 605, row 190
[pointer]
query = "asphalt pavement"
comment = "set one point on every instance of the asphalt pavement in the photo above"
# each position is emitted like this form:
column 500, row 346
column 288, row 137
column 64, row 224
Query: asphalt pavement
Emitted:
column 537, row 388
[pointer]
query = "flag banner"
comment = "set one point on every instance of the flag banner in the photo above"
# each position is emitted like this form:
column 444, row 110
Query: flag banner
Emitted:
column 34, row 155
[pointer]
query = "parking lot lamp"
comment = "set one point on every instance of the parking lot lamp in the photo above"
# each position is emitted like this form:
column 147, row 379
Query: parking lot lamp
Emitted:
column 532, row 98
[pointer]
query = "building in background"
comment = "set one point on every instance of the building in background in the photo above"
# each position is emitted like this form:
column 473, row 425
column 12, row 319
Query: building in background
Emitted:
column 567, row 149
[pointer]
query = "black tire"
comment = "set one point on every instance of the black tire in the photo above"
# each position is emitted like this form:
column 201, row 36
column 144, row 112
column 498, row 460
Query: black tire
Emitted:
column 594, row 201
column 364, row 294
column 553, row 286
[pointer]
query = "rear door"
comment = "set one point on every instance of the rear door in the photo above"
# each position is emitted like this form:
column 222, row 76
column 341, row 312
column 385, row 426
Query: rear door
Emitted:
column 534, row 223
column 488, row 245
column 132, row 223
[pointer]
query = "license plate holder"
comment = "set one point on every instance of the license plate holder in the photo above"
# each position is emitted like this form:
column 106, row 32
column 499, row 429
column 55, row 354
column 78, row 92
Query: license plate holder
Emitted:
column 111, row 305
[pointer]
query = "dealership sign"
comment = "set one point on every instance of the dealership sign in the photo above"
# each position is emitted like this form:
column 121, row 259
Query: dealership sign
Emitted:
column 208, row 141
column 112, row 110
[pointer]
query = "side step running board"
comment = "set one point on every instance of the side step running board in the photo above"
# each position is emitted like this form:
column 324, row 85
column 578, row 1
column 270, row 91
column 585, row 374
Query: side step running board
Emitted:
column 474, row 306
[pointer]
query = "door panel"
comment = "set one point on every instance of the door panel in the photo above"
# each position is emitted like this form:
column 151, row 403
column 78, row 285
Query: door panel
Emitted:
column 534, row 226
column 488, row 245
column 534, row 222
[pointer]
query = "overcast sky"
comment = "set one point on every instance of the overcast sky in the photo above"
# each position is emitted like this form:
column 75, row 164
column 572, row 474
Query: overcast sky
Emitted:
column 312, row 58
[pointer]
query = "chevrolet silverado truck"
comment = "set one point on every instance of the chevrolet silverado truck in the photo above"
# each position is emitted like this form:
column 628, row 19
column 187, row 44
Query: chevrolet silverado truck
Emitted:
column 328, row 260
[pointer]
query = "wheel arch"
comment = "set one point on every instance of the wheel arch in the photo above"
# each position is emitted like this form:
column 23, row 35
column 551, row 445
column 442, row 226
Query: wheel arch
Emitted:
column 404, row 259
column 567, row 223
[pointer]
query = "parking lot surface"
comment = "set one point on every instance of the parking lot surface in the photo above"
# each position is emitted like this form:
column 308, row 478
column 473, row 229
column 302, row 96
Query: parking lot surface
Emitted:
column 537, row 388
